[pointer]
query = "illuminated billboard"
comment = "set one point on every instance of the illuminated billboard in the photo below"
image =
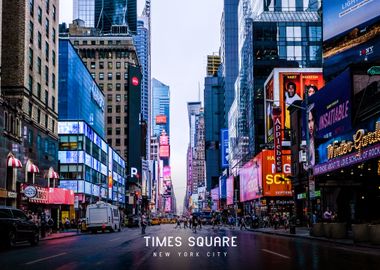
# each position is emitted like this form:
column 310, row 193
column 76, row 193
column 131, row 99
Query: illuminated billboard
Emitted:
column 230, row 190
column 164, row 140
column 164, row 151
column 167, row 173
column 249, row 180
column 285, row 86
column 161, row 119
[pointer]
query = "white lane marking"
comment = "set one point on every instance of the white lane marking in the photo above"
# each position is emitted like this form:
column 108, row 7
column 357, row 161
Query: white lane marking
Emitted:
column 47, row 258
column 275, row 253
column 115, row 239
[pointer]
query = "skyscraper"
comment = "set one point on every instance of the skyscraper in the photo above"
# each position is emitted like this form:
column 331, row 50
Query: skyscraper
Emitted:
column 84, row 10
column 160, row 108
column 115, row 12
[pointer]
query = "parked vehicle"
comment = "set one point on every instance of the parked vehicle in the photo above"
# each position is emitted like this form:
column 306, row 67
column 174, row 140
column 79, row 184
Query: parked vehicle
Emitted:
column 133, row 221
column 15, row 227
column 155, row 221
column 103, row 216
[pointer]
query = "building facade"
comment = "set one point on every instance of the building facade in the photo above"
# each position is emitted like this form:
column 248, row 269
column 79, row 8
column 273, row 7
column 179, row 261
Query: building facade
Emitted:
column 30, row 94
column 160, row 107
column 85, row 11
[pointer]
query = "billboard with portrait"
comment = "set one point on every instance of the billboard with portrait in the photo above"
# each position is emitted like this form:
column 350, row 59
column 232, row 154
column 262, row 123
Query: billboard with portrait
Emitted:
column 282, row 88
column 250, row 175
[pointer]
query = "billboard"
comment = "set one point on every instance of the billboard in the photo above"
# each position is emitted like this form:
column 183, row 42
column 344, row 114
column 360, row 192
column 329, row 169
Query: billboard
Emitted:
column 222, row 187
column 282, row 88
column 167, row 173
column 168, row 204
column 161, row 119
column 330, row 109
column 224, row 147
column 250, row 176
column 339, row 16
column 215, row 194
column 164, row 140
column 164, row 151
column 167, row 188
column 230, row 190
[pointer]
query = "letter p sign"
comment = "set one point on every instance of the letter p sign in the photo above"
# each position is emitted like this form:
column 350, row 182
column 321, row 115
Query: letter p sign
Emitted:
column 133, row 172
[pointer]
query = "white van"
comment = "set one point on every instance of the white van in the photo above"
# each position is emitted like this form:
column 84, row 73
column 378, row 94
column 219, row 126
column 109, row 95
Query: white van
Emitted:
column 103, row 216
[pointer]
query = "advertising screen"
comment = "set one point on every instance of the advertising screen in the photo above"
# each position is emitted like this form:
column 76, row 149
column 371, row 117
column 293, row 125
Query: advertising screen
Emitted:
column 340, row 16
column 230, row 190
column 161, row 119
column 224, row 150
column 249, row 180
column 164, row 140
column 223, row 187
column 71, row 157
column 167, row 173
column 168, row 204
column 215, row 194
column 164, row 151
column 69, row 184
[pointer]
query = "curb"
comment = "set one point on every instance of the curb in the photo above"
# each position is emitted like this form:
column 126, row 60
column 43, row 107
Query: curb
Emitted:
column 376, row 248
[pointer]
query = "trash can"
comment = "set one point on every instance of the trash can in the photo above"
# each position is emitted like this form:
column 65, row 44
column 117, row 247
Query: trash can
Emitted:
column 292, row 229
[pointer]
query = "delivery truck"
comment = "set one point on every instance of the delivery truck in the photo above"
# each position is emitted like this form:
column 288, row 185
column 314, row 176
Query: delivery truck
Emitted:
column 103, row 216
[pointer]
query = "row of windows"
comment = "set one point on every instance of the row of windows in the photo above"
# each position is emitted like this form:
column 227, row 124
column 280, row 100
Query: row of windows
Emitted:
column 47, row 8
column 36, row 114
column 109, row 65
column 117, row 109
column 117, row 97
column 117, row 87
column 117, row 120
column 104, row 54
column 38, row 91
column 117, row 131
column 12, row 124
column 110, row 76
column 97, row 42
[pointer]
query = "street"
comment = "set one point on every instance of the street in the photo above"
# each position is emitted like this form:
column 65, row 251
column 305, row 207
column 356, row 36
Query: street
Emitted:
column 128, row 250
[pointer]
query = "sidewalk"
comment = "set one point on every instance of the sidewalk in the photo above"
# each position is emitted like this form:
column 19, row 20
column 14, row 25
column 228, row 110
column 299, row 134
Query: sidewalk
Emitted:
column 64, row 234
column 303, row 232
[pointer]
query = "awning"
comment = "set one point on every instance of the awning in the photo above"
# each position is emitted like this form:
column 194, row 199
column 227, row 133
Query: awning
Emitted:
column 52, row 174
column 14, row 162
column 32, row 168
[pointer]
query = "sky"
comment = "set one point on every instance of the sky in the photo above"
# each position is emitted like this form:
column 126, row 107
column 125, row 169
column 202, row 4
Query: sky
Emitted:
column 184, row 32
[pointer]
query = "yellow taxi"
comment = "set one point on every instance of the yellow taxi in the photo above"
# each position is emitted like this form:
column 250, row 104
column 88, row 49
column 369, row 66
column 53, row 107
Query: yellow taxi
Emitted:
column 155, row 221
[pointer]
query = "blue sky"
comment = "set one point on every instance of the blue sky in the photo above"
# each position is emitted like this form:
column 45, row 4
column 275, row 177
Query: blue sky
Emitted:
column 183, row 34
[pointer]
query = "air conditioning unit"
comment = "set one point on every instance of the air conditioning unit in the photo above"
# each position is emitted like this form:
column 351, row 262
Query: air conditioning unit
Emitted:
column 302, row 156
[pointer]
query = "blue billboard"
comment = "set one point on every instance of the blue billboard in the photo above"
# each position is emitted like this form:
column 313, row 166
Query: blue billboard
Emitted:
column 224, row 147
column 223, row 187
column 340, row 16
column 330, row 108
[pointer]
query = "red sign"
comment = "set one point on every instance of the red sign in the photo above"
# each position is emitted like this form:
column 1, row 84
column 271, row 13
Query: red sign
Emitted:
column 164, row 151
column 160, row 119
column 61, row 196
column 277, row 138
column 135, row 81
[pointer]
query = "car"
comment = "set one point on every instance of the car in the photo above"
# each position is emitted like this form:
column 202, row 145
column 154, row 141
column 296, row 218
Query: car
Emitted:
column 155, row 221
column 16, row 227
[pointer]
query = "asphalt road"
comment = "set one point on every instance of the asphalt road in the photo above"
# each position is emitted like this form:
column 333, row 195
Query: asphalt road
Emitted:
column 128, row 250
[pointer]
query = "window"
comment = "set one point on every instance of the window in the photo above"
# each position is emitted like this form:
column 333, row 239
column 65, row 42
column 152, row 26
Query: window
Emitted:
column 125, row 108
column 30, row 109
column 39, row 65
column 118, row 76
column 39, row 40
column 46, row 98
column 53, row 103
column 118, row 120
column 84, row 42
column 101, row 65
column 39, row 91
column 53, row 35
column 30, row 83
column 47, row 51
column 110, row 65
column 125, row 97
column 93, row 42
column 109, row 131
column 30, row 58
column 101, row 86
column 53, row 57
column 288, row 5
column 109, row 75
column 118, row 65
column 118, row 109
column 53, row 80
column 315, row 53
column 293, row 33
column 109, row 120
column 125, row 75
column 109, row 109
column 315, row 33
column 117, row 142
column 118, row 87
column 101, row 42
column 47, row 6
column 125, row 122
column 294, row 53
column 38, row 115
column 117, row 131
column 39, row 15
column 31, row 7
column 118, row 97
column 125, row 65
column 109, row 97
column 101, row 76
column 109, row 86
column 47, row 28
column 109, row 41
column 46, row 121
column 31, row 32
column 109, row 141
column 52, row 125
column 93, row 65
column 54, row 13
column 47, row 75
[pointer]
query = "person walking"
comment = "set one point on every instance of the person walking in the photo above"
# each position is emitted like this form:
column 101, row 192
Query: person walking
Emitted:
column 178, row 223
column 143, row 223
column 195, row 223
column 242, row 223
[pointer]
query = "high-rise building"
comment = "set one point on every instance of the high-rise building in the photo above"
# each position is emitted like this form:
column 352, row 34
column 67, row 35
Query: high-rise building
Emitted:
column 229, row 52
column 160, row 108
column 85, row 10
column 271, row 34
column 29, row 58
column 113, row 63
column 213, row 63
column 115, row 12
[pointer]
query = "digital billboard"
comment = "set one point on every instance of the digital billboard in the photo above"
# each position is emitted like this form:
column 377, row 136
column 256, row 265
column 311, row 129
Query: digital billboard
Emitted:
column 167, row 173
column 161, row 119
column 224, row 147
column 250, row 176
column 168, row 204
column 223, row 187
column 164, row 151
column 230, row 190
column 282, row 88
column 215, row 194
column 164, row 140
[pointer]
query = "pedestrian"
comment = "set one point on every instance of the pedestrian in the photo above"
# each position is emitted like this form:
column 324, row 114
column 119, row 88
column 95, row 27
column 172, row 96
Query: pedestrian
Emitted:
column 178, row 223
column 199, row 222
column 195, row 223
column 242, row 223
column 143, row 223
column 50, row 224
column 185, row 221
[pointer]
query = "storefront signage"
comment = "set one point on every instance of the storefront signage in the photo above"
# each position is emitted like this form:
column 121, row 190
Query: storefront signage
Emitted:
column 30, row 191
column 224, row 147
column 360, row 139
column 277, row 139
column 12, row 194
column 301, row 196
